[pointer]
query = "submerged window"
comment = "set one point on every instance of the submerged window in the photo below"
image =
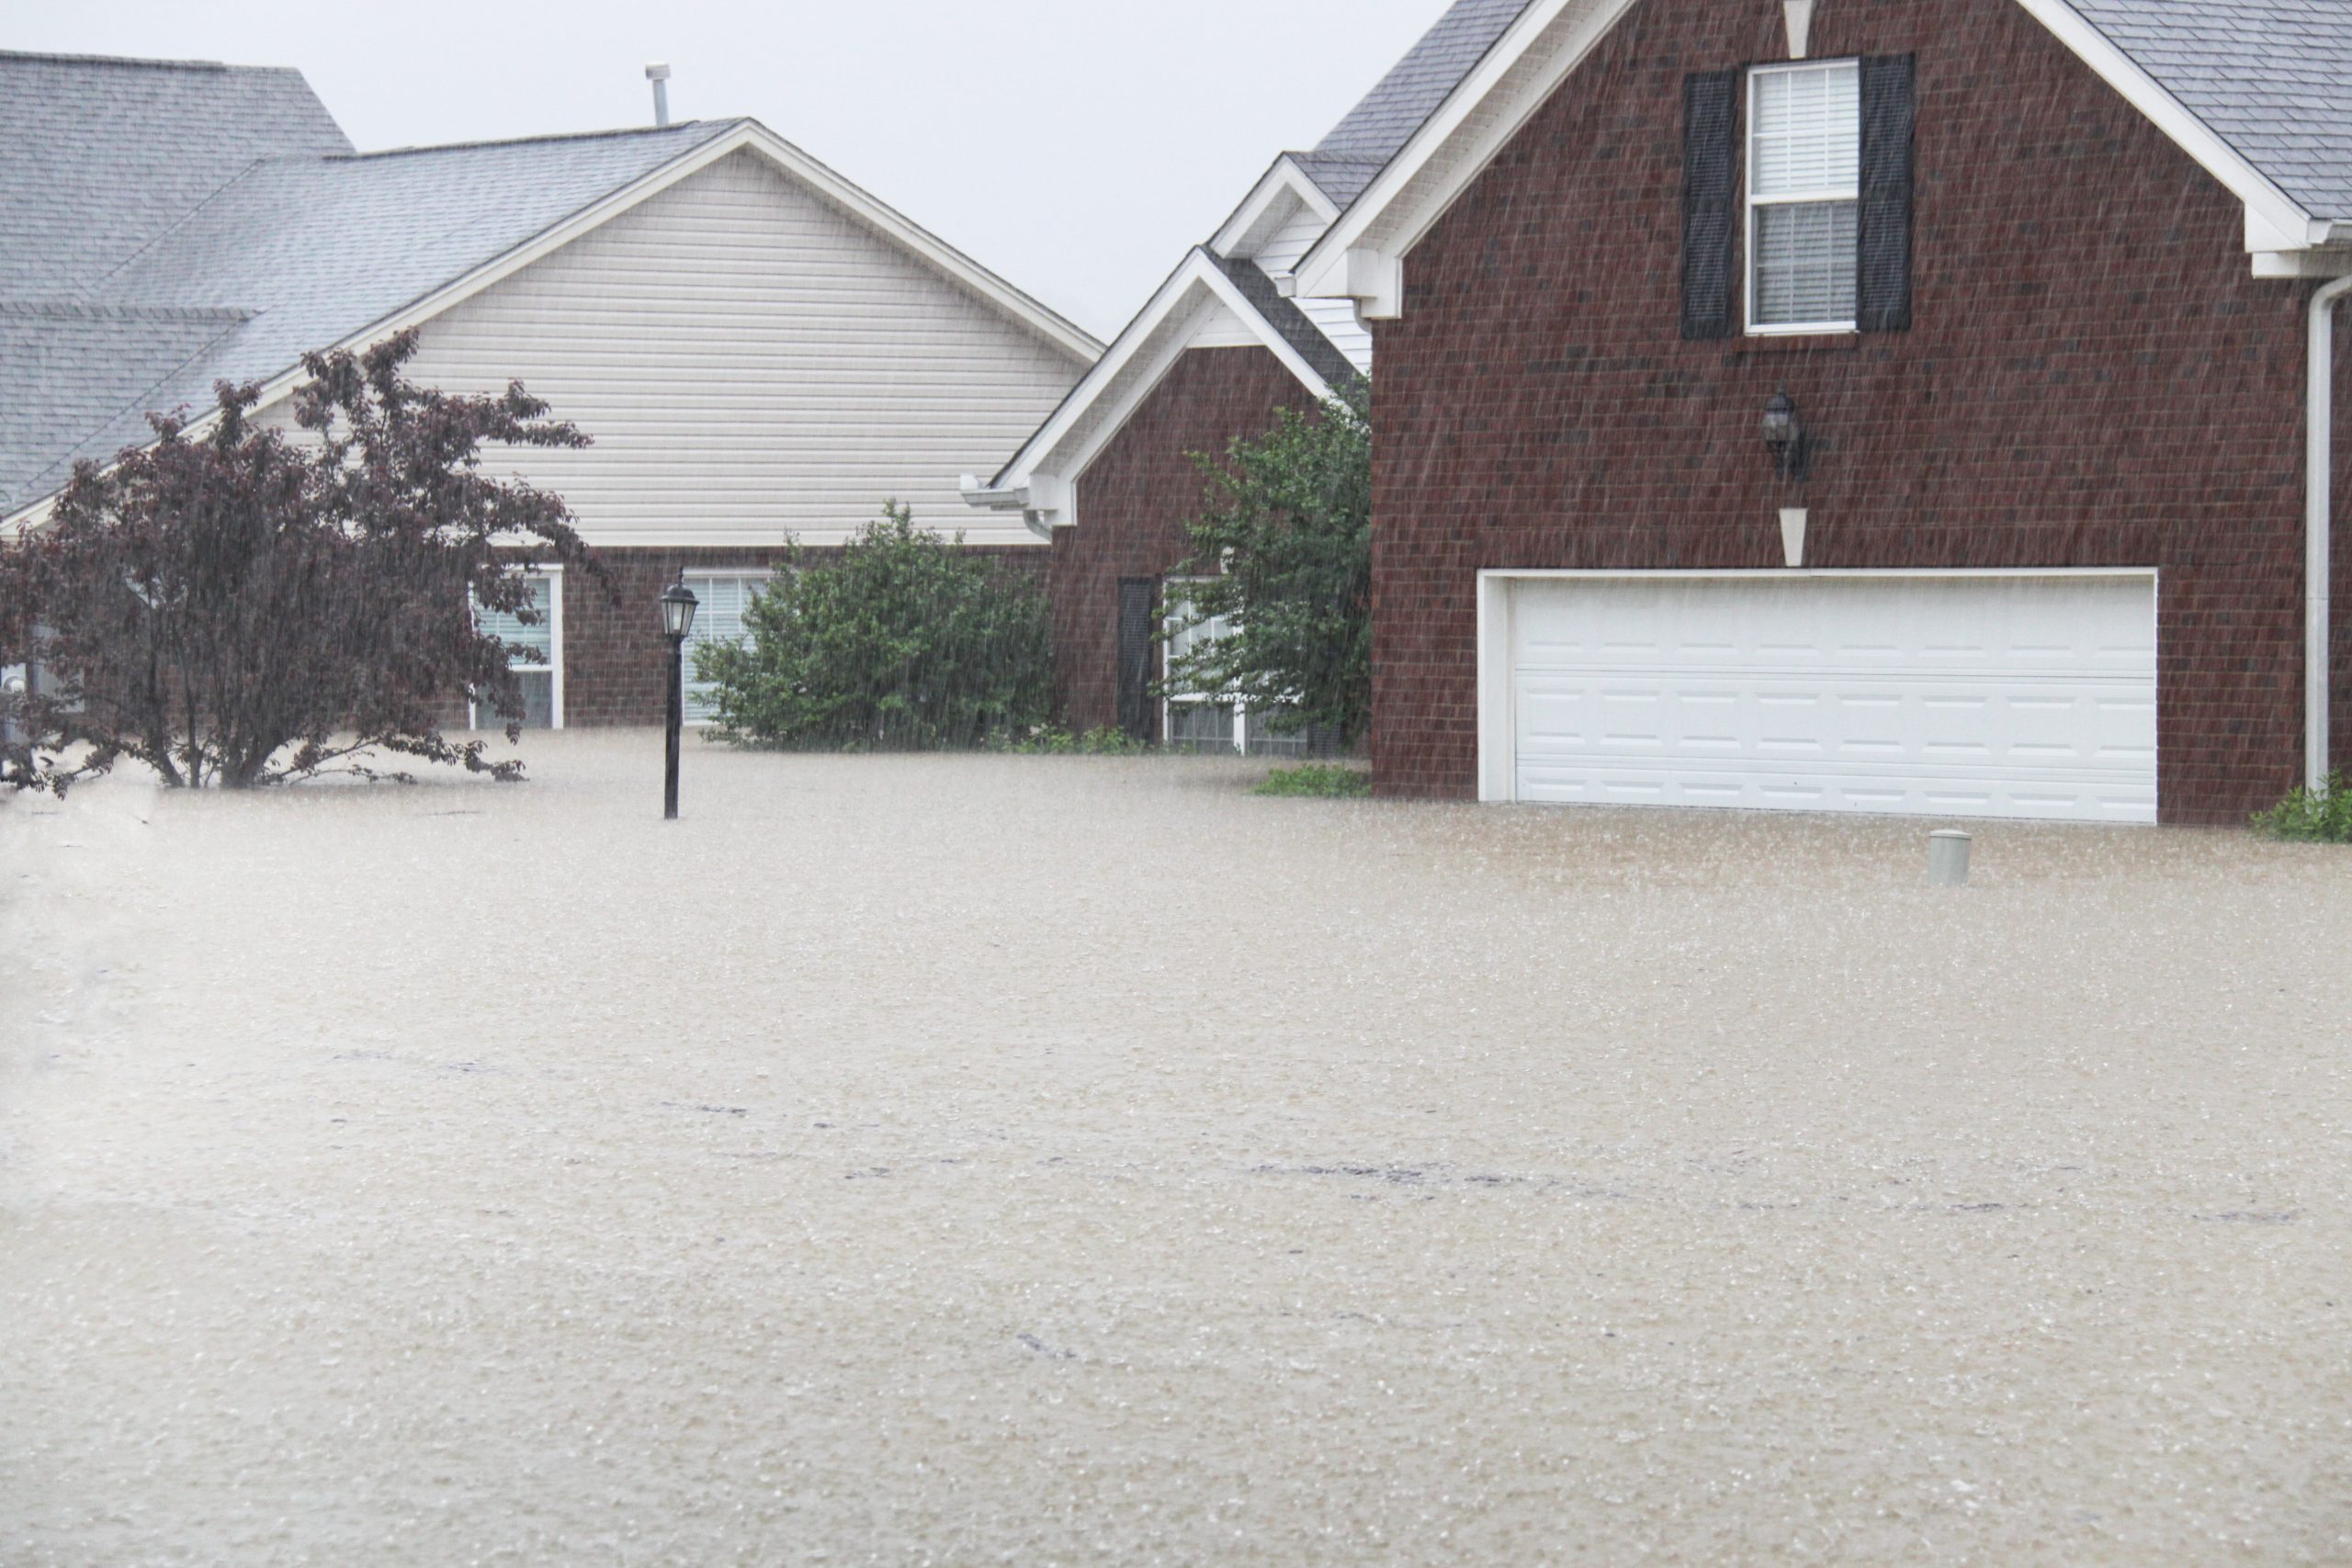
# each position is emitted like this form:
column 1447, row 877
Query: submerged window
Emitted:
column 1804, row 160
column 1203, row 721
column 726, row 598
column 534, row 654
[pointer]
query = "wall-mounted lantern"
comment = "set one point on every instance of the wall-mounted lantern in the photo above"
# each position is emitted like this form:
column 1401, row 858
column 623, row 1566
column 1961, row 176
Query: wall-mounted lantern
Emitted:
column 1784, row 435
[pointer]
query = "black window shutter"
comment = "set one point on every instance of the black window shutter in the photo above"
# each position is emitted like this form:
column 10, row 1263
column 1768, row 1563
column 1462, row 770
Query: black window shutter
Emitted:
column 1883, row 290
column 1709, row 200
column 1138, row 606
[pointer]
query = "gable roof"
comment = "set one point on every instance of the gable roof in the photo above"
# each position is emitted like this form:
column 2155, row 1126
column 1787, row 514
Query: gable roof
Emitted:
column 301, row 250
column 1206, row 287
column 98, row 155
column 2259, row 92
column 1415, row 85
column 2272, row 77
column 1338, row 168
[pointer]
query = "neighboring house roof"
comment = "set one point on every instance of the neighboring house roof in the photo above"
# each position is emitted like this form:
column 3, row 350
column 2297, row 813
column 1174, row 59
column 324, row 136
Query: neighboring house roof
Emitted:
column 1205, row 290
column 72, row 368
column 2259, row 92
column 1340, row 178
column 1249, row 256
column 1288, row 322
column 97, row 156
column 309, row 252
column 307, row 249
column 2272, row 77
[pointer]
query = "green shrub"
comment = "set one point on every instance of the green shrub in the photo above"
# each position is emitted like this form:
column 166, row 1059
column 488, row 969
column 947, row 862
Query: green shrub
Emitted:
column 905, row 641
column 1282, row 568
column 1329, row 780
column 1051, row 741
column 2320, row 816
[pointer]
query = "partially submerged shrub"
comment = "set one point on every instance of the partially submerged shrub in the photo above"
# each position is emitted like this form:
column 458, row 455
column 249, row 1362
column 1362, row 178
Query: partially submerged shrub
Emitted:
column 1051, row 741
column 1278, row 613
column 905, row 641
column 2316, row 817
column 229, row 605
column 1329, row 780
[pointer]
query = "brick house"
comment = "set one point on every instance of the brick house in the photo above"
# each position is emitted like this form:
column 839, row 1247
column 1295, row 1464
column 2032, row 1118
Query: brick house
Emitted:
column 757, row 347
column 1109, row 477
column 2034, row 302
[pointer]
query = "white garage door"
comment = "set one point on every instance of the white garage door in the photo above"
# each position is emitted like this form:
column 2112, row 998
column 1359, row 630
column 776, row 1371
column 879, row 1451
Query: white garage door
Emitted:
column 1945, row 697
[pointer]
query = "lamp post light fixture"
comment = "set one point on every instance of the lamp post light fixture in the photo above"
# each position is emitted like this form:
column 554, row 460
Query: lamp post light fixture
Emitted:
column 678, row 603
column 1785, row 435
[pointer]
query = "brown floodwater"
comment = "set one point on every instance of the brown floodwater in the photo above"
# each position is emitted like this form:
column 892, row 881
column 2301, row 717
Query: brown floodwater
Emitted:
column 1077, row 1160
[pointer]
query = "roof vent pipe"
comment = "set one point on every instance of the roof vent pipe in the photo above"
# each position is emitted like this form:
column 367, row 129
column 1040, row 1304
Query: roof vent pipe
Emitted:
column 659, row 74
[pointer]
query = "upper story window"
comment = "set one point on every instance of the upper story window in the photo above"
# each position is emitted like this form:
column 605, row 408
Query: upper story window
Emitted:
column 1804, row 170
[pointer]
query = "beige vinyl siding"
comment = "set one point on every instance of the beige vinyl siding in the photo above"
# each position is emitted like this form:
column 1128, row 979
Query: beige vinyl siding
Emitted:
column 752, row 362
column 1336, row 318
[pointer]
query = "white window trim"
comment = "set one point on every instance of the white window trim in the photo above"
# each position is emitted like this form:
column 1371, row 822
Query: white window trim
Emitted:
column 1168, row 703
column 554, row 667
column 1751, row 202
column 762, row 575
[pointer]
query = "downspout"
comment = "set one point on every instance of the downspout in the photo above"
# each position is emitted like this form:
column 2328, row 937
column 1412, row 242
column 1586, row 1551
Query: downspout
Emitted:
column 2318, row 512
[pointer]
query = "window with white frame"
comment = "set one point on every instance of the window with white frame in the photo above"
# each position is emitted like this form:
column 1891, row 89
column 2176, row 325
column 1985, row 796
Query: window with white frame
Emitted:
column 1202, row 721
column 1804, row 160
column 1195, row 721
column 726, row 598
column 535, row 652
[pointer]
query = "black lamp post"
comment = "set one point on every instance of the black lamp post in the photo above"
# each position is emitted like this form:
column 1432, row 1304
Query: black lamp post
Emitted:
column 677, row 619
column 1785, row 433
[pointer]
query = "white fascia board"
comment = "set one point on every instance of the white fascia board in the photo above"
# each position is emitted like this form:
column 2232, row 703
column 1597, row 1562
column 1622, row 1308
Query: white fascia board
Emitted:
column 796, row 166
column 2266, row 204
column 1243, row 234
column 830, row 188
column 1483, row 112
column 1550, row 37
column 24, row 519
column 1130, row 371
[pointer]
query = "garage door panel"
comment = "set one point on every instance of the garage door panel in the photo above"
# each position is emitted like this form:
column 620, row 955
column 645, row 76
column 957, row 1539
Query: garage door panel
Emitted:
column 1984, row 696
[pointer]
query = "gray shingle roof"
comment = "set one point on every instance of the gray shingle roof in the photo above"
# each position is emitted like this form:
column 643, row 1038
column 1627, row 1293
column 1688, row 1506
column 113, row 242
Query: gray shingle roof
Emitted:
column 1388, row 115
column 1341, row 179
column 276, row 255
column 97, row 156
column 2273, row 78
column 72, row 368
column 1291, row 323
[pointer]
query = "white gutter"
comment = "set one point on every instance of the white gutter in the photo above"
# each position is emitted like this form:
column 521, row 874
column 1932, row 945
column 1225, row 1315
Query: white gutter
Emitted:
column 2319, row 482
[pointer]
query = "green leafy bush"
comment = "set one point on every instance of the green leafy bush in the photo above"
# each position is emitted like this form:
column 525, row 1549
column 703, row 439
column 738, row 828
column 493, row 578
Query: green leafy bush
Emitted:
column 1329, row 781
column 1051, row 741
column 905, row 641
column 2313, row 817
column 1281, row 555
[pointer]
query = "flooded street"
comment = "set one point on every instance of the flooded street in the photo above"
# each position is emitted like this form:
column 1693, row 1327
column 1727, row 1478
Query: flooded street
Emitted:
column 1068, row 1160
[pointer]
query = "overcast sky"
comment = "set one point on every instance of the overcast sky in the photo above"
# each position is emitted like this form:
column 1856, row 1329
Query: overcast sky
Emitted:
column 1075, row 146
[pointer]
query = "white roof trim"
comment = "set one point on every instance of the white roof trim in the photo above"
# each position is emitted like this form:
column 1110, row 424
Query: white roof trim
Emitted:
column 2263, row 198
column 893, row 226
column 1132, row 368
column 1552, row 38
column 1284, row 179
column 1412, row 191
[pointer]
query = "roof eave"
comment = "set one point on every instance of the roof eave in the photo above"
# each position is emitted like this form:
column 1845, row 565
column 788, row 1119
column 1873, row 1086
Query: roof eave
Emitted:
column 1047, row 464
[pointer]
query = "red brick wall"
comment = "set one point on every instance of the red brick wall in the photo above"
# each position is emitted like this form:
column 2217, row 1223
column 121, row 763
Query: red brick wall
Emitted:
column 2093, row 379
column 1134, row 501
column 615, row 658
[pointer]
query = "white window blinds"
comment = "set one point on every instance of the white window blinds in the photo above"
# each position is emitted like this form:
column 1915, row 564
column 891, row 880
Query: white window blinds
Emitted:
column 1804, row 188
column 726, row 598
